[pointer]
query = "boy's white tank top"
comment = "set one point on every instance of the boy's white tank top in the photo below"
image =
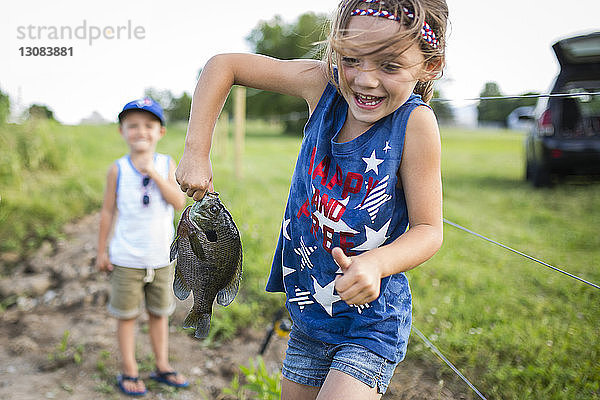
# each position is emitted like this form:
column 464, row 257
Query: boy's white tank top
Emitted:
column 143, row 233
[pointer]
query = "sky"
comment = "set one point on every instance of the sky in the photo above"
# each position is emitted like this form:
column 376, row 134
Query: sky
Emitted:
column 164, row 44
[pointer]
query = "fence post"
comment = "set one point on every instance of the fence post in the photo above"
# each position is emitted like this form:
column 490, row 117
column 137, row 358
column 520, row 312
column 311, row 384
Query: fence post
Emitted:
column 239, row 114
column 221, row 135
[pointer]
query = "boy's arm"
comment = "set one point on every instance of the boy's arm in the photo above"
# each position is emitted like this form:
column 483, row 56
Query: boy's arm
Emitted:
column 301, row 78
column 421, row 181
column 107, row 214
column 168, row 187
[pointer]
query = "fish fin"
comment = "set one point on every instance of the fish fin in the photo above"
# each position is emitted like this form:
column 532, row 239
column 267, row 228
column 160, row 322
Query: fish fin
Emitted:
column 228, row 293
column 197, row 247
column 180, row 288
column 201, row 322
column 174, row 249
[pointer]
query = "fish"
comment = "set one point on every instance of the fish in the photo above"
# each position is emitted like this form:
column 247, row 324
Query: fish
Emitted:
column 208, row 249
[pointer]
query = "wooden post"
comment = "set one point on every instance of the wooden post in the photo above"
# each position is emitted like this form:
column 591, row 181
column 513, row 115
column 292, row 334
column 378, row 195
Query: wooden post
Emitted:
column 239, row 115
column 221, row 136
column 225, row 133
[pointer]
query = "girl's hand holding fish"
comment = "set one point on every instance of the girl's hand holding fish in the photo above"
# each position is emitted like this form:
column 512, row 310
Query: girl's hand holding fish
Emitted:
column 194, row 175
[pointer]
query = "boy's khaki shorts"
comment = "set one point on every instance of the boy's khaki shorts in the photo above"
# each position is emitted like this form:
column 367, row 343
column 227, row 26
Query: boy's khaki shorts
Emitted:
column 128, row 292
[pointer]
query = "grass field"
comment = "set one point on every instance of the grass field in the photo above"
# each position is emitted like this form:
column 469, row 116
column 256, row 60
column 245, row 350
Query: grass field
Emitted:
column 516, row 329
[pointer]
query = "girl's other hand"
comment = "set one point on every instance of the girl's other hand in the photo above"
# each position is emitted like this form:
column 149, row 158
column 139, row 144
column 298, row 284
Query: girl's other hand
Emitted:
column 194, row 176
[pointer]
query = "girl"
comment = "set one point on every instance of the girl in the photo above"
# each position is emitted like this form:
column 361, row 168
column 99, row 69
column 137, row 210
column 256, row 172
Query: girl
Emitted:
column 368, row 169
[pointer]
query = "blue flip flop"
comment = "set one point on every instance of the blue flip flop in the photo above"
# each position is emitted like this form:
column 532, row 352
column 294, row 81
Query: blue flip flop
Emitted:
column 123, row 377
column 162, row 377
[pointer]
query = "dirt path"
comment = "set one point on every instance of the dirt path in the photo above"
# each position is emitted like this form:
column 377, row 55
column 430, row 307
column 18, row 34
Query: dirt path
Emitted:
column 59, row 295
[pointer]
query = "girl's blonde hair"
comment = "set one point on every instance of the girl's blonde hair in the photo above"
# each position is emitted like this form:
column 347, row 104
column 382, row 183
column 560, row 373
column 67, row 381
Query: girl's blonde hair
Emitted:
column 434, row 12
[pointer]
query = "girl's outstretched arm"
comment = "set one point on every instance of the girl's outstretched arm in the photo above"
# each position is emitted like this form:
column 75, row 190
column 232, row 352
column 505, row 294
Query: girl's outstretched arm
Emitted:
column 421, row 181
column 301, row 78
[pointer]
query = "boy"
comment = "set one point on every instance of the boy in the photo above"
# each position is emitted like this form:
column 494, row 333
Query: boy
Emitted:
column 141, row 186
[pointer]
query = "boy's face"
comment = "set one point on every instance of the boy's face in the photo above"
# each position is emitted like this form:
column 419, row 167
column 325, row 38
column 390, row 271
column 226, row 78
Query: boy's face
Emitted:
column 141, row 131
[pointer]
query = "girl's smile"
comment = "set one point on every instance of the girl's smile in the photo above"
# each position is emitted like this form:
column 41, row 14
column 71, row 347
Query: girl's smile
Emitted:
column 367, row 101
column 373, row 85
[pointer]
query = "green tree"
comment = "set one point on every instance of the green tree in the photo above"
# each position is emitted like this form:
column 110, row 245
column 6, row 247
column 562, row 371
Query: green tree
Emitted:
column 493, row 111
column 180, row 108
column 162, row 97
column 443, row 109
column 286, row 41
column 527, row 101
column 39, row 111
column 175, row 108
column 497, row 110
column 4, row 107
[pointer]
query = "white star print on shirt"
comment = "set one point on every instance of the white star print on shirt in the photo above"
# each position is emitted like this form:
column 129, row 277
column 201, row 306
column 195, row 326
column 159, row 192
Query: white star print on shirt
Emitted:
column 285, row 229
column 287, row 270
column 324, row 295
column 374, row 238
column 304, row 252
column 372, row 163
column 302, row 298
column 376, row 198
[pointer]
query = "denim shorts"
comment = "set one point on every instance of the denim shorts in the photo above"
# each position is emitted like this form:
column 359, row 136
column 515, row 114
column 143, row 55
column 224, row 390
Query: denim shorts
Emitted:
column 308, row 361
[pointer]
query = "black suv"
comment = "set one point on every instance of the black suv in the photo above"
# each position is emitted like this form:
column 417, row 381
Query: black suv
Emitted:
column 565, row 138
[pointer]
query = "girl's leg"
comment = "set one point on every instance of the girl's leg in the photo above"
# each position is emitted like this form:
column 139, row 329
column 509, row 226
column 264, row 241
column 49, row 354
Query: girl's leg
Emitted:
column 159, row 337
column 295, row 391
column 126, row 339
column 341, row 386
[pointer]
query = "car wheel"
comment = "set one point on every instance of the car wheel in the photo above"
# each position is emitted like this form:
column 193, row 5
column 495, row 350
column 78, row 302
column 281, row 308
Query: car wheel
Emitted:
column 539, row 176
column 528, row 171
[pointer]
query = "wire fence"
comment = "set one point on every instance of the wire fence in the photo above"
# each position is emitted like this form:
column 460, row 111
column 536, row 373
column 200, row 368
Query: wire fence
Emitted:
column 521, row 254
column 437, row 352
column 255, row 92
column 298, row 115
column 521, row 96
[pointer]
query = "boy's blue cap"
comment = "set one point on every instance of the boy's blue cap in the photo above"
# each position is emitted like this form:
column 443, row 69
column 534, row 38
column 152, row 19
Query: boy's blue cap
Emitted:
column 145, row 104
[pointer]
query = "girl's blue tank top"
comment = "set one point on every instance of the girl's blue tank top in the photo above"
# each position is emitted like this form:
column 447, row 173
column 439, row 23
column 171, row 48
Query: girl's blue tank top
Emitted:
column 345, row 195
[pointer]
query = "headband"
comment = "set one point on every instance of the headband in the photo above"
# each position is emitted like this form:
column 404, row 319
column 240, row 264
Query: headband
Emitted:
column 426, row 31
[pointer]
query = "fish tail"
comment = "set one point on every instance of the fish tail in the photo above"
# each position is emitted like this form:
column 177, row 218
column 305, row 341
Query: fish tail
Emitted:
column 199, row 321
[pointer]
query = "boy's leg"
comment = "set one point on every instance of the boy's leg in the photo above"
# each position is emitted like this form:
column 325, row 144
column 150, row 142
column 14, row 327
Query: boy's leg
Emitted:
column 160, row 303
column 159, row 337
column 341, row 386
column 125, row 300
column 126, row 339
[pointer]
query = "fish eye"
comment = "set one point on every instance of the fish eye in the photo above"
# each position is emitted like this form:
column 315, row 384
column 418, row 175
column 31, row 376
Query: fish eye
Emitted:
column 211, row 236
column 214, row 209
